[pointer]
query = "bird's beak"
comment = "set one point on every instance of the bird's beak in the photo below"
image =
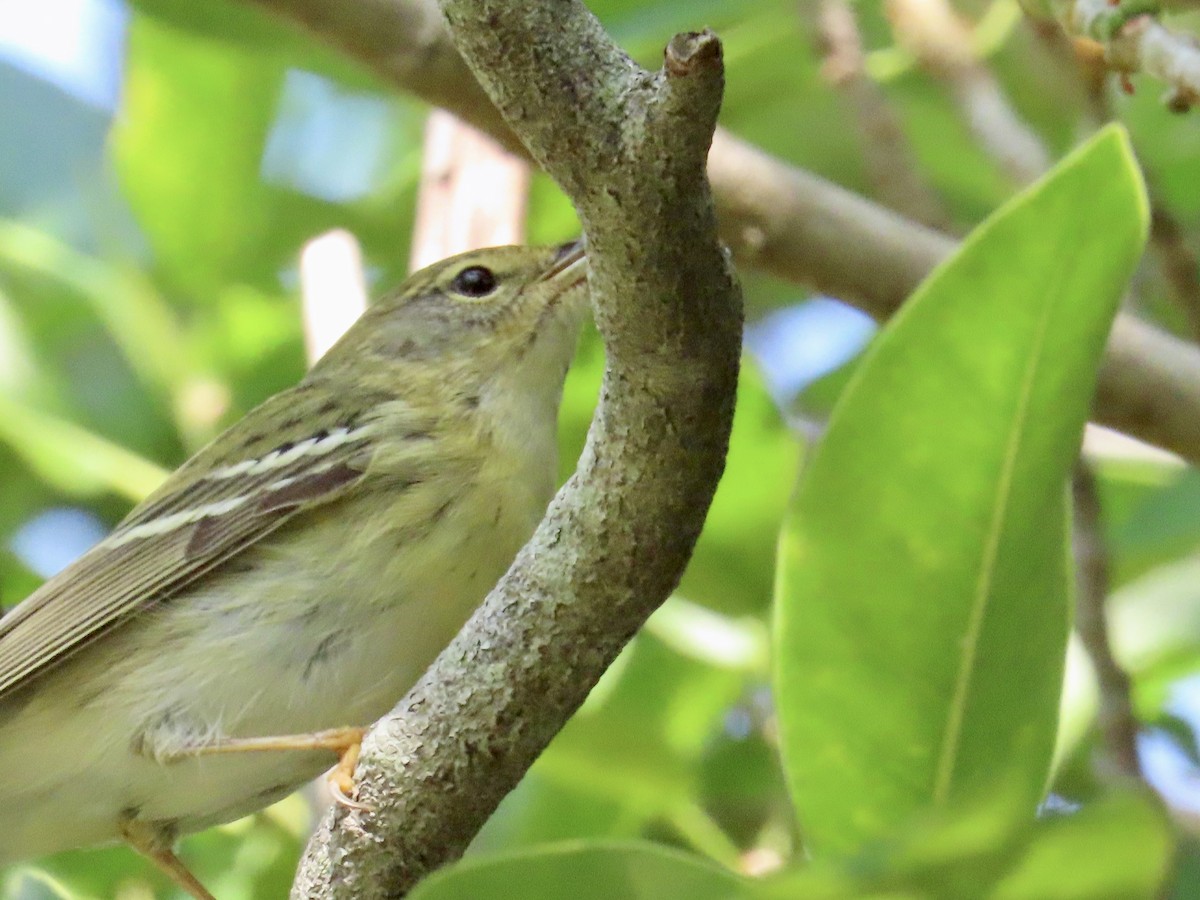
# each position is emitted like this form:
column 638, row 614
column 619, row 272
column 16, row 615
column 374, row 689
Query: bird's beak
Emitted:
column 565, row 257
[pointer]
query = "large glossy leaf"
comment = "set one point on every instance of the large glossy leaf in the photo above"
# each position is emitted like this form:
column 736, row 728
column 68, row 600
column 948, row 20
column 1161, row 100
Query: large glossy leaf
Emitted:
column 923, row 592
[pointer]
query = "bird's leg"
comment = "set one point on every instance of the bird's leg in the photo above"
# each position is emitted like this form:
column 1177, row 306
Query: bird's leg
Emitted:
column 345, row 742
column 152, row 842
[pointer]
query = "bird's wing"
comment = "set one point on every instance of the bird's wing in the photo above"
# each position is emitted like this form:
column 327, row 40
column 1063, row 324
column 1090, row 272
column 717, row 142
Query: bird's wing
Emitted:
column 230, row 495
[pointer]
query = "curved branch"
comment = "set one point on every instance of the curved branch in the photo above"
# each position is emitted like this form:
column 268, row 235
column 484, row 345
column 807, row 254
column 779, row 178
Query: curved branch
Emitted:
column 629, row 147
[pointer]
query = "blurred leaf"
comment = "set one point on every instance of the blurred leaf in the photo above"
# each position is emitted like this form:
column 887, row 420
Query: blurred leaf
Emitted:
column 16, row 581
column 1077, row 711
column 1166, row 521
column 136, row 317
column 742, row 787
column 246, row 28
column 250, row 859
column 1185, row 883
column 73, row 459
column 656, row 714
column 235, row 23
column 188, row 147
column 709, row 637
column 922, row 605
column 1125, row 839
column 546, row 807
column 582, row 871
column 659, row 711
column 1182, row 734
column 732, row 567
column 242, row 151
column 18, row 364
column 1154, row 622
column 580, row 393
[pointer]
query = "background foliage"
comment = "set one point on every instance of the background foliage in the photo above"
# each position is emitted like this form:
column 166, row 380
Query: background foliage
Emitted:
column 152, row 217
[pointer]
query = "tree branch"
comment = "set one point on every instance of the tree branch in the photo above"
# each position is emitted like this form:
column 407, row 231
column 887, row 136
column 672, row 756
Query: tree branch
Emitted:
column 941, row 41
column 629, row 147
column 776, row 217
column 890, row 162
column 1137, row 43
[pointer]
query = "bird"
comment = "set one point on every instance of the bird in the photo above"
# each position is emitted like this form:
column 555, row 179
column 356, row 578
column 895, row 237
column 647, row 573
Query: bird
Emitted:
column 241, row 627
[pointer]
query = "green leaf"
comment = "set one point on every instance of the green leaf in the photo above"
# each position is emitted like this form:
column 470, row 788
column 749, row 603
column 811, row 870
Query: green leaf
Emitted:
column 16, row 581
column 982, row 850
column 73, row 459
column 188, row 146
column 922, row 597
column 1154, row 621
column 583, row 871
column 656, row 711
column 1125, row 839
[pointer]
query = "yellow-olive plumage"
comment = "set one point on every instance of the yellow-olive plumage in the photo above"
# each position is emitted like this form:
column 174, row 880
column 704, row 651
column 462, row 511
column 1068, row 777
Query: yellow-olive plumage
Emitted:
column 297, row 574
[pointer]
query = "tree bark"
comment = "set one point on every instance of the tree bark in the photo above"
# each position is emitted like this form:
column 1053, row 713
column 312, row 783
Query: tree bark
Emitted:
column 629, row 147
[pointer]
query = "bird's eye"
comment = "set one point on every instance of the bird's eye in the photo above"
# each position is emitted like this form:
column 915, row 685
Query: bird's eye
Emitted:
column 475, row 281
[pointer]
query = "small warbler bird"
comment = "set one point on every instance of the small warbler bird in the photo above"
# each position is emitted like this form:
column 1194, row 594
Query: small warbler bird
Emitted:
column 289, row 583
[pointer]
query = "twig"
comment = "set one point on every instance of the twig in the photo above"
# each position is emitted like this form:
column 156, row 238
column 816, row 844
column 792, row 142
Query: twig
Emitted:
column 628, row 146
column 1178, row 262
column 1117, row 720
column 941, row 41
column 891, row 168
column 1137, row 43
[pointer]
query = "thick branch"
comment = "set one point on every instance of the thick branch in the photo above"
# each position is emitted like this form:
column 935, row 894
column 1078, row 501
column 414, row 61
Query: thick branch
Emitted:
column 776, row 217
column 629, row 147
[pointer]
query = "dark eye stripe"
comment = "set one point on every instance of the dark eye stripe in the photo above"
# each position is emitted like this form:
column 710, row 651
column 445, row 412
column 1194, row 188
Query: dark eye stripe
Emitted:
column 475, row 281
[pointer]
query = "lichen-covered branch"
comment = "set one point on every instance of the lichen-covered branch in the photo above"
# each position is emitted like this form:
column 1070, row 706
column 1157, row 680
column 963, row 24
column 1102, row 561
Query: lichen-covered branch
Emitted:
column 629, row 147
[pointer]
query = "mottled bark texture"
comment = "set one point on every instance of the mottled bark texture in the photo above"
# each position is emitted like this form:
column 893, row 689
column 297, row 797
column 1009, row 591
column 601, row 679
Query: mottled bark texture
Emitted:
column 629, row 147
